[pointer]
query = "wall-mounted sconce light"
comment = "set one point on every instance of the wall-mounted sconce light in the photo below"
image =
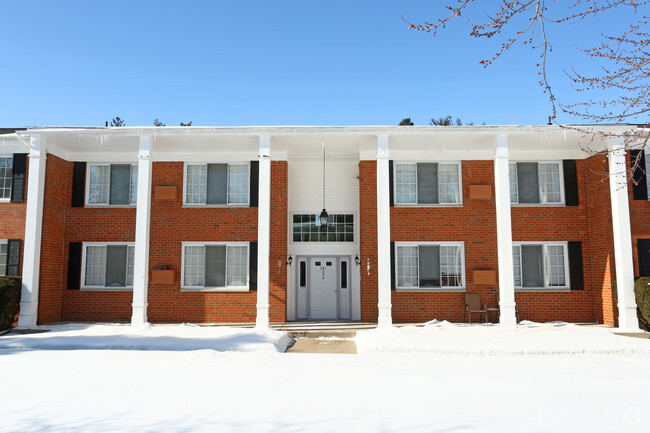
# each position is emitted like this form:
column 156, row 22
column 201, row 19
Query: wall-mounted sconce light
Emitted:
column 357, row 260
column 289, row 260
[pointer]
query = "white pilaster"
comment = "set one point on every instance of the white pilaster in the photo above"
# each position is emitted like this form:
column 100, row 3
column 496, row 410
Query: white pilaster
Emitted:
column 627, row 318
column 33, row 230
column 142, row 226
column 504, row 234
column 263, row 233
column 383, row 233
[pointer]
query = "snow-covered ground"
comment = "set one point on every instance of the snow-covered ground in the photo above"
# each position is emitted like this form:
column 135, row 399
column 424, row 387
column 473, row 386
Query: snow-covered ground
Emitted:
column 184, row 390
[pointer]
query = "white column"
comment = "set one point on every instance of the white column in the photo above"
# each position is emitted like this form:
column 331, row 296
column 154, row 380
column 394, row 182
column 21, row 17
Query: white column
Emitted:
column 627, row 319
column 264, row 233
column 504, row 234
column 383, row 233
column 142, row 223
column 33, row 229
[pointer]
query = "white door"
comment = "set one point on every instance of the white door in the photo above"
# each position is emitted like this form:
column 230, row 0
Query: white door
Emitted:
column 323, row 296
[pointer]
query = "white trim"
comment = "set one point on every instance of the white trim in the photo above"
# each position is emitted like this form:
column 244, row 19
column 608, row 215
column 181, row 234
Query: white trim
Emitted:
column 227, row 204
column 83, row 266
column 245, row 288
column 108, row 204
column 539, row 184
column 462, row 287
column 459, row 165
column 544, row 245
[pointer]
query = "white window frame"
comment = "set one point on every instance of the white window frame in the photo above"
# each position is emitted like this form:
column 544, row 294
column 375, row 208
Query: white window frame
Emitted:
column 565, row 245
column 459, row 166
column 462, row 287
column 539, row 184
column 108, row 164
column 246, row 163
column 3, row 261
column 83, row 265
column 647, row 171
column 8, row 199
column 245, row 288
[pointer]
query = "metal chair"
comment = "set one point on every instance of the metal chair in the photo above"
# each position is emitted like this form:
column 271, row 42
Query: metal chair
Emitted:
column 473, row 305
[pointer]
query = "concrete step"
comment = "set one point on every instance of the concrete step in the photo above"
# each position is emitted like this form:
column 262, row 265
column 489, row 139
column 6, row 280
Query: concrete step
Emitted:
column 338, row 346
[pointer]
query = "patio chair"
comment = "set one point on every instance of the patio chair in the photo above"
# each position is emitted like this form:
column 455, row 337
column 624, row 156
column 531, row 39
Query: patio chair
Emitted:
column 473, row 305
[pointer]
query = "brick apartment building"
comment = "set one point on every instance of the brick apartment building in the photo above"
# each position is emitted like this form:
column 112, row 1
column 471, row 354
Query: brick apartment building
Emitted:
column 207, row 224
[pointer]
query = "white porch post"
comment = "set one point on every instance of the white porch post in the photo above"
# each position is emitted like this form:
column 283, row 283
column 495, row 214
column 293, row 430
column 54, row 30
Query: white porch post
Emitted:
column 627, row 318
column 142, row 220
column 33, row 230
column 504, row 234
column 383, row 233
column 263, row 233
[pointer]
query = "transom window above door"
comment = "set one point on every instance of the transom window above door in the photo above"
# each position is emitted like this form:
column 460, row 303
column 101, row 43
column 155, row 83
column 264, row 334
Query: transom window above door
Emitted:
column 427, row 183
column 307, row 228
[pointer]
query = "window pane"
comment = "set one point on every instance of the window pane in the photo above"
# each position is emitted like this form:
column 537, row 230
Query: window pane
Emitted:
column 451, row 268
column 531, row 263
column 98, row 184
column 95, row 265
column 449, row 183
column 303, row 274
column 3, row 259
column 344, row 275
column 238, row 183
column 129, row 265
column 215, row 266
column 549, row 182
column 554, row 272
column 195, row 190
column 407, row 266
column 514, row 195
column 427, row 183
column 527, row 179
column 516, row 263
column 134, row 184
column 120, row 183
column 405, row 183
column 340, row 228
column 6, row 169
column 237, row 270
column 194, row 265
column 116, row 266
column 217, row 182
column 429, row 266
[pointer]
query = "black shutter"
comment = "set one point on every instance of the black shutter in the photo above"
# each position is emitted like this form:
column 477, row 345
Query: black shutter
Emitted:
column 575, row 266
column 570, row 182
column 79, row 184
column 18, row 178
column 640, row 184
column 390, row 183
column 13, row 257
column 74, row 265
column 393, row 280
column 255, row 183
column 252, row 266
column 643, row 248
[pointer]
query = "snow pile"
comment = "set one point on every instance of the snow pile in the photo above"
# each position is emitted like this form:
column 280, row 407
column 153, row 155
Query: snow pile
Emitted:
column 149, row 337
column 528, row 338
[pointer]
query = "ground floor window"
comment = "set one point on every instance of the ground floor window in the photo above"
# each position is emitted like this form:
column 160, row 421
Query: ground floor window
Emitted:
column 215, row 266
column 3, row 258
column 107, row 265
column 430, row 265
column 643, row 250
column 540, row 265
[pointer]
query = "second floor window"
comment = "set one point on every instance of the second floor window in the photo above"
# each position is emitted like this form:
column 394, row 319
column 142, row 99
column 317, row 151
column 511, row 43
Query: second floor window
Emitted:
column 535, row 182
column 219, row 184
column 112, row 184
column 427, row 183
column 6, row 167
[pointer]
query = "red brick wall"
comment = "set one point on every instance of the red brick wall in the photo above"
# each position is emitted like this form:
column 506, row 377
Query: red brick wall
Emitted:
column 368, row 239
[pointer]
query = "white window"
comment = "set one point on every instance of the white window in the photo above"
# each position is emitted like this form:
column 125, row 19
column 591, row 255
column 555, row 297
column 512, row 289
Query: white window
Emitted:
column 647, row 172
column 215, row 266
column 430, row 265
column 427, row 183
column 6, row 169
column 536, row 182
column 220, row 184
column 107, row 265
column 3, row 257
column 540, row 265
column 112, row 184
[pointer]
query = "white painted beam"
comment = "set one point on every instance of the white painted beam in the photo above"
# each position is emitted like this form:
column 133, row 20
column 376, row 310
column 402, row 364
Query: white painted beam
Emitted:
column 263, row 233
column 33, row 229
column 142, row 228
column 507, row 318
column 627, row 318
column 383, row 233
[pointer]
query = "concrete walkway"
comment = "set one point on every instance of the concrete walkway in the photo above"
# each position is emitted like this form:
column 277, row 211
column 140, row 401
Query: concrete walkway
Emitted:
column 323, row 341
